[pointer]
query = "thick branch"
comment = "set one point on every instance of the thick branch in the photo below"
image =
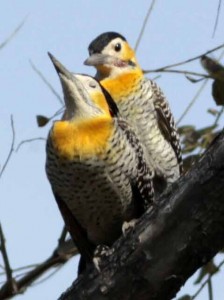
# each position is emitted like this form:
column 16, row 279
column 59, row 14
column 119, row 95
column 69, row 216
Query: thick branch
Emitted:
column 169, row 243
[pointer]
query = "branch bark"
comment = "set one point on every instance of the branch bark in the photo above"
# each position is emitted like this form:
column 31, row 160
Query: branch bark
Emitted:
column 169, row 243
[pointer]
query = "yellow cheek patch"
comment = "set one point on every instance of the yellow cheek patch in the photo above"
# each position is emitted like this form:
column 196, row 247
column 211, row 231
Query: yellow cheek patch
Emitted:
column 84, row 139
column 99, row 99
column 123, row 85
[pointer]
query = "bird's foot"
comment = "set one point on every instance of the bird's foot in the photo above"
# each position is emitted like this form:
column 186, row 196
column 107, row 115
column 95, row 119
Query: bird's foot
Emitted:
column 101, row 253
column 128, row 226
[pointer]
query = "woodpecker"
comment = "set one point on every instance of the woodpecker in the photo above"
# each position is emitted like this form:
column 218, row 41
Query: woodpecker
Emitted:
column 141, row 102
column 95, row 164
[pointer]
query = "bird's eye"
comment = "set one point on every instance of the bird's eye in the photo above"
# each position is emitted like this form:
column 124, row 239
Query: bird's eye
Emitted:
column 92, row 85
column 117, row 47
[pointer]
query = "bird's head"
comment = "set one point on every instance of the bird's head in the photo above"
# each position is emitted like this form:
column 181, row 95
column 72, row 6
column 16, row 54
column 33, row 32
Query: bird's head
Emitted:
column 111, row 54
column 84, row 97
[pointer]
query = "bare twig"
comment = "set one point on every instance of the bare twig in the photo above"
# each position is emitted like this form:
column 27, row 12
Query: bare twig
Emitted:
column 25, row 268
column 219, row 116
column 52, row 261
column 11, row 148
column 196, row 96
column 217, row 18
column 62, row 236
column 2, row 45
column 29, row 141
column 184, row 72
column 210, row 290
column 40, row 74
column 8, row 270
column 48, row 276
column 188, row 60
column 192, row 101
column 58, row 112
column 59, row 257
column 20, row 269
column 144, row 24
column 43, row 120
column 206, row 282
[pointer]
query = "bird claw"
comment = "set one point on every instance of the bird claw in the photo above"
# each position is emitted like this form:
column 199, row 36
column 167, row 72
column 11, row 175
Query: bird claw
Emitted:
column 101, row 253
column 127, row 226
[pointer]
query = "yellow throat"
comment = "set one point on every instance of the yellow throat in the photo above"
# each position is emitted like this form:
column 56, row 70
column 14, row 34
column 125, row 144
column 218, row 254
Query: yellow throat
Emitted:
column 123, row 84
column 83, row 138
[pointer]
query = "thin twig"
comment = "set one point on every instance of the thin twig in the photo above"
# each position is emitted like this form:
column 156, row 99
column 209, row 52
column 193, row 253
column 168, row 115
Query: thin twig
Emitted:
column 40, row 74
column 206, row 282
column 11, row 148
column 192, row 102
column 2, row 45
column 25, row 267
column 2, row 267
column 52, row 261
column 157, row 77
column 144, row 24
column 218, row 116
column 188, row 60
column 21, row 269
column 29, row 141
column 217, row 18
column 210, row 290
column 43, row 120
column 178, row 71
column 47, row 277
column 58, row 258
column 8, row 270
column 196, row 96
column 62, row 236
column 58, row 112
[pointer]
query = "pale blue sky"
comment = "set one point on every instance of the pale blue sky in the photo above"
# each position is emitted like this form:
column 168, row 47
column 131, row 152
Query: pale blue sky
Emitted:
column 177, row 30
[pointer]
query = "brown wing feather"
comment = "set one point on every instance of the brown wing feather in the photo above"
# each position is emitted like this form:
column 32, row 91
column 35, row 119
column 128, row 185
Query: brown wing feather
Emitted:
column 142, row 186
column 166, row 123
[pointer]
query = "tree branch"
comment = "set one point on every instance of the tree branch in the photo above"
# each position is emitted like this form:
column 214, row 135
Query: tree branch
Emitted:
column 8, row 270
column 29, row 141
column 63, row 252
column 44, row 79
column 11, row 148
column 206, row 281
column 13, row 34
column 217, row 18
column 170, row 242
column 184, row 72
column 144, row 24
column 189, row 106
column 186, row 61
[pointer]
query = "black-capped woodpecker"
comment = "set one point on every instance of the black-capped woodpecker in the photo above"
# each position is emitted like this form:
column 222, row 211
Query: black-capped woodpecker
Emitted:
column 141, row 102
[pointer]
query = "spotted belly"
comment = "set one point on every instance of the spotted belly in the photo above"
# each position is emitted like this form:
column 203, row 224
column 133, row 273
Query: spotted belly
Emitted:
column 93, row 198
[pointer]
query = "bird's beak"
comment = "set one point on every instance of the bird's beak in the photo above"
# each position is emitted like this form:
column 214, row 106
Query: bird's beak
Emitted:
column 61, row 70
column 74, row 91
column 99, row 59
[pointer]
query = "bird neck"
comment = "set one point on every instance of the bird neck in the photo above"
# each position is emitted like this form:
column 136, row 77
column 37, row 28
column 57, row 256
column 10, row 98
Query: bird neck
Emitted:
column 99, row 99
column 82, row 138
column 121, row 85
